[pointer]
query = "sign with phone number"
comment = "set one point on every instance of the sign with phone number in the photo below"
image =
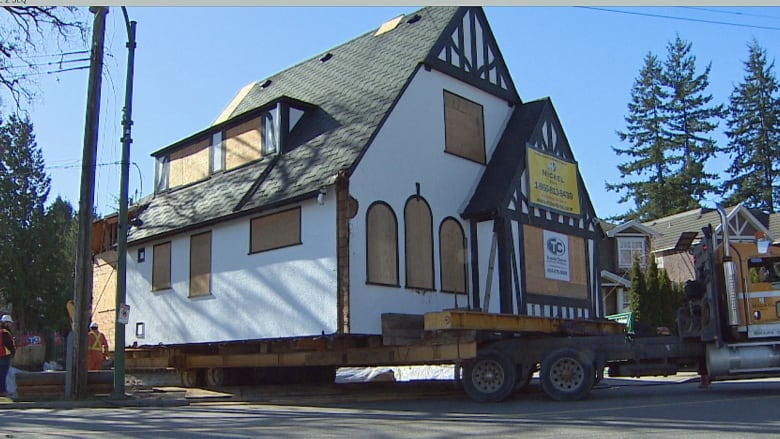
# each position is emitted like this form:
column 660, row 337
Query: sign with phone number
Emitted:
column 552, row 182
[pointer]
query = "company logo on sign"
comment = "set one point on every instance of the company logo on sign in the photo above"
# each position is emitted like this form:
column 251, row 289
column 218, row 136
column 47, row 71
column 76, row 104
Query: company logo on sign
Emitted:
column 556, row 256
column 556, row 246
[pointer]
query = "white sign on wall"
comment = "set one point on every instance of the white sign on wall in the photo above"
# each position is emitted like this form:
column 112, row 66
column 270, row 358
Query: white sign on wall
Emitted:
column 556, row 256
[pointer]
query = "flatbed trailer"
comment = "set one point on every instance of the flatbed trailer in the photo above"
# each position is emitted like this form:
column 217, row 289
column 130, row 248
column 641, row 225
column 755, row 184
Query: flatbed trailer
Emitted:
column 493, row 354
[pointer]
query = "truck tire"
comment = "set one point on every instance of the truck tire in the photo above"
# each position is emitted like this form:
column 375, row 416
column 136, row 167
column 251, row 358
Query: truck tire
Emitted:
column 567, row 375
column 490, row 377
column 191, row 377
column 215, row 377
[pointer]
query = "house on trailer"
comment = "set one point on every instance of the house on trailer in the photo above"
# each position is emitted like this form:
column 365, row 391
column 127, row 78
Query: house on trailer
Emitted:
column 397, row 173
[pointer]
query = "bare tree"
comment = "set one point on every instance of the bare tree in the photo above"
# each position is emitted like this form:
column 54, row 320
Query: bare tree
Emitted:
column 29, row 31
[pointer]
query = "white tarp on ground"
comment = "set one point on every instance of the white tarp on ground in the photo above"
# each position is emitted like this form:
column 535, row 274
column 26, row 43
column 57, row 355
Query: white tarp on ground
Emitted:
column 395, row 373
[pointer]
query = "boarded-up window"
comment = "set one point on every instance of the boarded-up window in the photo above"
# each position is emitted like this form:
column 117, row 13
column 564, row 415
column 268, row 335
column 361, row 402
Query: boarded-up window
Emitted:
column 419, row 244
column 277, row 230
column 464, row 128
column 537, row 282
column 452, row 249
column 381, row 245
column 161, row 266
column 189, row 164
column 200, row 264
column 243, row 143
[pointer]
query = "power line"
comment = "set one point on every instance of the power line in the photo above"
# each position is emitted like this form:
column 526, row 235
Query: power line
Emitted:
column 52, row 63
column 671, row 17
column 719, row 11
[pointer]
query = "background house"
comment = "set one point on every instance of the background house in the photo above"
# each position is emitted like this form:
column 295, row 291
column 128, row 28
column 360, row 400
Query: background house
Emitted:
column 622, row 245
column 676, row 234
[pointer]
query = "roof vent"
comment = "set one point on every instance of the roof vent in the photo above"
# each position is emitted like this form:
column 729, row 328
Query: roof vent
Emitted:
column 415, row 18
column 326, row 57
column 389, row 25
column 266, row 84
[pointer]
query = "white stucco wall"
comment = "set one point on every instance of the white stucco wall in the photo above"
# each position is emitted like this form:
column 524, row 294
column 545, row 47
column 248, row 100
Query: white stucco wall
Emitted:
column 410, row 149
column 278, row 293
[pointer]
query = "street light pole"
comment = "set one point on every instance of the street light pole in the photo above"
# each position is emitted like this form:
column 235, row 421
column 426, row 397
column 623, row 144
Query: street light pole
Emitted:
column 121, row 277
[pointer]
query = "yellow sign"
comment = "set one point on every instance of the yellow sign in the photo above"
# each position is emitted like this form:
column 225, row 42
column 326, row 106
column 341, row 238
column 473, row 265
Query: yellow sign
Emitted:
column 553, row 182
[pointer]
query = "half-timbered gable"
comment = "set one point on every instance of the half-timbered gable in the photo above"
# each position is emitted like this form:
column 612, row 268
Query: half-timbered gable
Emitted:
column 545, row 227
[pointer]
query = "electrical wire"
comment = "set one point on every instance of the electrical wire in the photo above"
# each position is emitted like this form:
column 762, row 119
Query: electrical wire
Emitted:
column 671, row 17
column 743, row 14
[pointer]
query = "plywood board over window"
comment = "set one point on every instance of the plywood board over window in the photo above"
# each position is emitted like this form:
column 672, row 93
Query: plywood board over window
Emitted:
column 189, row 164
column 161, row 266
column 452, row 243
column 419, row 244
column 200, row 264
column 381, row 245
column 243, row 143
column 537, row 283
column 276, row 230
column 464, row 128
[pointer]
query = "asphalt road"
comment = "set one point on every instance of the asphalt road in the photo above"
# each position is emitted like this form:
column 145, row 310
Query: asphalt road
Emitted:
column 616, row 409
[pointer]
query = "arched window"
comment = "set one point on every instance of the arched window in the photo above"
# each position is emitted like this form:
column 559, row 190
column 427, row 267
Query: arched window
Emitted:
column 381, row 245
column 452, row 255
column 419, row 244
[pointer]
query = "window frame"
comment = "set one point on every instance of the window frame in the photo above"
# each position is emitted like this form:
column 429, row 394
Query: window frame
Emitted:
column 428, row 258
column 449, row 146
column 628, row 243
column 252, row 221
column 444, row 268
column 192, row 279
column 167, row 284
column 369, row 281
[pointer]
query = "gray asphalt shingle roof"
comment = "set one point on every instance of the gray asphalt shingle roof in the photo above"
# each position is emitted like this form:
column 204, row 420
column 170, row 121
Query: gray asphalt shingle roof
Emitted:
column 353, row 91
column 671, row 227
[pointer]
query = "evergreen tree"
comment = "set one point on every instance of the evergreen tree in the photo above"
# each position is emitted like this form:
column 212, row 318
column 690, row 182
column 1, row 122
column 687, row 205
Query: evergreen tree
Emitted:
column 653, row 297
column 24, row 187
column 667, row 126
column 648, row 147
column 57, row 264
column 671, row 296
column 754, row 135
column 638, row 294
column 691, row 119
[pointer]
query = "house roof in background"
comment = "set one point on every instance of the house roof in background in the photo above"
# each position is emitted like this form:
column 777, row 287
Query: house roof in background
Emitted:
column 353, row 90
column 672, row 227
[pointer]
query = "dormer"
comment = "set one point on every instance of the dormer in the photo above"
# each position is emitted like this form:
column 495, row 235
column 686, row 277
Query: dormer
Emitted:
column 255, row 135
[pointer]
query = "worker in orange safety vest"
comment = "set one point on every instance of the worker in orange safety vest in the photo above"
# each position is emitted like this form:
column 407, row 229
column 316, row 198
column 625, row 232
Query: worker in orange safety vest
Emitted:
column 7, row 350
column 98, row 348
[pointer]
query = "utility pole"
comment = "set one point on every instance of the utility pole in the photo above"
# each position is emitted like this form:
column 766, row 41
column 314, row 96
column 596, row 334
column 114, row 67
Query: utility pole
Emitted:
column 121, row 245
column 77, row 371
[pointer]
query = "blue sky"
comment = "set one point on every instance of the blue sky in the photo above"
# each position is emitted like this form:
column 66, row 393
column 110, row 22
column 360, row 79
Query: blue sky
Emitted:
column 190, row 62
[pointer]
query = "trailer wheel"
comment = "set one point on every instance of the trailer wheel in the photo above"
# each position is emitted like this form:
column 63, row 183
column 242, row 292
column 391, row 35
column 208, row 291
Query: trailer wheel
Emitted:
column 490, row 377
column 215, row 377
column 191, row 377
column 567, row 375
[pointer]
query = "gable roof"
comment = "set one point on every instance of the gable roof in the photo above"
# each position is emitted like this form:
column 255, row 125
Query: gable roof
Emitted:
column 632, row 226
column 353, row 89
column 670, row 228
